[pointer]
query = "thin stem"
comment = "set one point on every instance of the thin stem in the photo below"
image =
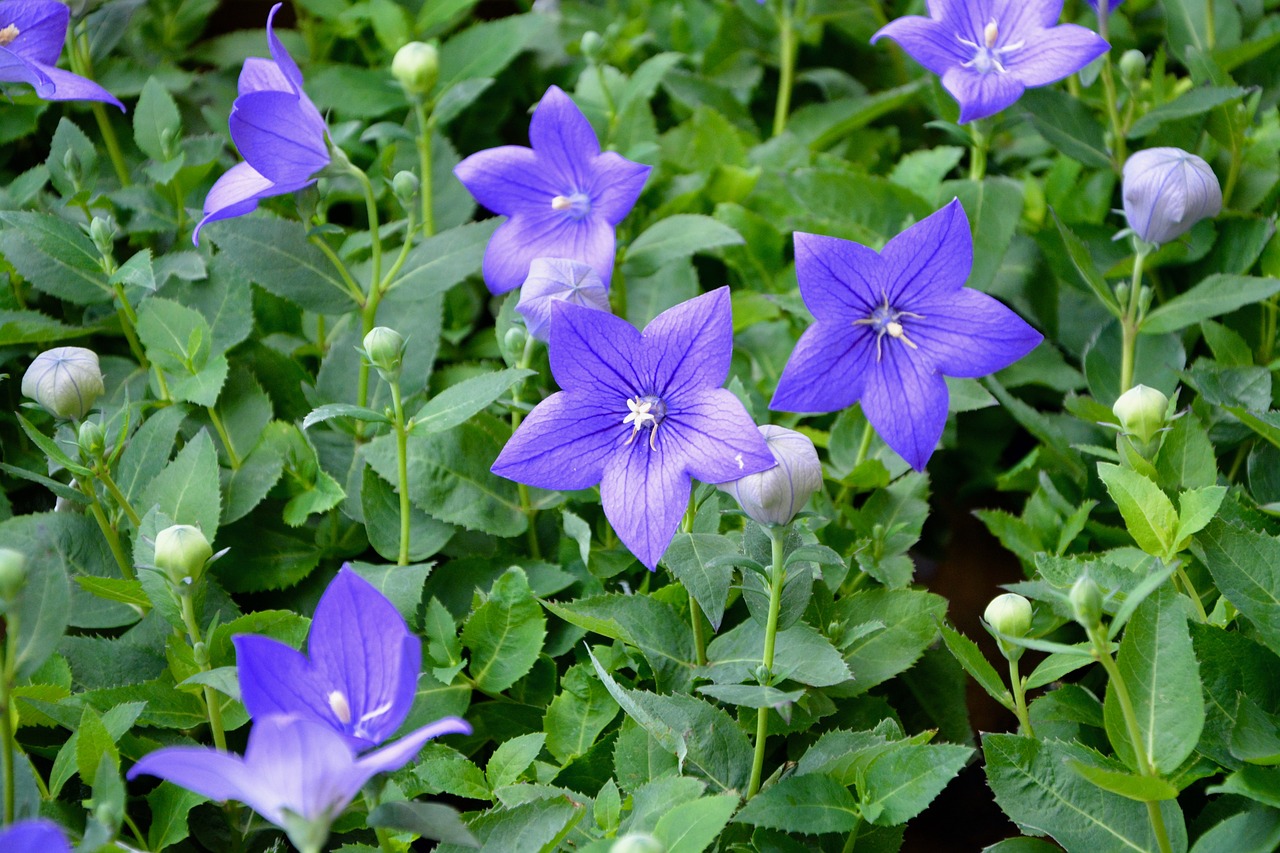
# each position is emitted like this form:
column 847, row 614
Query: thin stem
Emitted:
column 526, row 503
column 608, row 102
column 82, row 64
column 777, row 575
column 104, row 476
column 385, row 843
column 426, row 126
column 353, row 289
column 852, row 840
column 978, row 152
column 1109, row 91
column 1131, row 322
column 112, row 537
column 867, row 432
column 128, row 323
column 1210, row 26
column 1019, row 698
column 1181, row 574
column 371, row 209
column 695, row 611
column 787, row 44
column 212, row 706
column 402, row 468
column 7, row 744
column 409, row 231
column 225, row 436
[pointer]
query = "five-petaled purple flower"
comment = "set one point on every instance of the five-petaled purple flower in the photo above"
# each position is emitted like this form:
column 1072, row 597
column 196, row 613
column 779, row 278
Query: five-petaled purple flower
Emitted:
column 639, row 413
column 987, row 52
column 891, row 324
column 31, row 36
column 34, row 836
column 362, row 672
column 297, row 773
column 563, row 196
column 279, row 132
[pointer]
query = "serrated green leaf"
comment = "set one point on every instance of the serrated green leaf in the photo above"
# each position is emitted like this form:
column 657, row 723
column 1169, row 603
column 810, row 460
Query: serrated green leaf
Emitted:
column 186, row 490
column 275, row 254
column 692, row 827
column 810, row 805
column 970, row 657
column 1245, row 566
column 1217, row 294
column 512, row 758
column 504, row 634
column 458, row 403
column 1148, row 513
column 578, row 713
column 154, row 117
column 1144, row 789
column 902, row 781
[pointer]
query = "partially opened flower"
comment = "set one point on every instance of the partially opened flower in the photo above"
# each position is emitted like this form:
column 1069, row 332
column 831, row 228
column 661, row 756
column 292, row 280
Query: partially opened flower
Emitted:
column 639, row 413
column 891, row 324
column 1166, row 191
column 361, row 673
column 988, row 52
column 296, row 773
column 552, row 279
column 563, row 196
column 34, row 836
column 32, row 33
column 279, row 132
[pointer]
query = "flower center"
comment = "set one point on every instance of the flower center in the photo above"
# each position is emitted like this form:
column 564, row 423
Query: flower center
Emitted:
column 987, row 56
column 338, row 704
column 647, row 411
column 8, row 34
column 577, row 204
column 884, row 320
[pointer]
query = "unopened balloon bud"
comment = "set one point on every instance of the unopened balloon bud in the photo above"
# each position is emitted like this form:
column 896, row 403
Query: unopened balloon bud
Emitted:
column 91, row 440
column 514, row 340
column 66, row 381
column 13, row 573
column 1166, row 191
column 384, row 348
column 773, row 497
column 181, row 553
column 637, row 842
column 592, row 45
column 1010, row 614
column 1086, row 602
column 1141, row 411
column 1133, row 68
column 405, row 186
column 416, row 66
column 103, row 233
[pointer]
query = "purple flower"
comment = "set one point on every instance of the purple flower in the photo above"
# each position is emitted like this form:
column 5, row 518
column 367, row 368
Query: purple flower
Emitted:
column 639, row 413
column 1166, row 191
column 891, row 324
column 553, row 279
column 362, row 671
column 31, row 36
column 279, row 132
column 563, row 196
column 296, row 773
column 34, row 836
column 988, row 51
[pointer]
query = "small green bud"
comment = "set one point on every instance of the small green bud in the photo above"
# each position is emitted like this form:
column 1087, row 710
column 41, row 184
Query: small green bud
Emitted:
column 91, row 441
column 1010, row 614
column 103, row 233
column 592, row 45
column 1133, row 68
column 66, row 381
column 384, row 348
column 416, row 66
column 405, row 186
column 181, row 552
column 1086, row 602
column 637, row 842
column 13, row 573
column 71, row 165
column 763, row 676
column 513, row 341
column 1141, row 412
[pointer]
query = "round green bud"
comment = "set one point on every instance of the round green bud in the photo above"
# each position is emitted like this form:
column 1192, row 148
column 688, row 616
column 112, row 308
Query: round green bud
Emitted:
column 181, row 552
column 637, row 842
column 103, row 233
column 384, row 348
column 416, row 66
column 91, row 440
column 13, row 573
column 66, row 381
column 405, row 185
column 592, row 45
column 1009, row 614
column 1133, row 68
column 1141, row 411
column 1086, row 602
column 514, row 340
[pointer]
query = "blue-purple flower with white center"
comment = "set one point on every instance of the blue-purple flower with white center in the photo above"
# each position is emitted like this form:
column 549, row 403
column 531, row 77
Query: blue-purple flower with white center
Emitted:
column 558, row 279
column 32, row 33
column 891, row 324
column 563, row 197
column 640, row 413
column 360, row 673
column 773, row 497
column 988, row 52
column 277, row 129
column 1166, row 191
column 297, row 773
column 34, row 836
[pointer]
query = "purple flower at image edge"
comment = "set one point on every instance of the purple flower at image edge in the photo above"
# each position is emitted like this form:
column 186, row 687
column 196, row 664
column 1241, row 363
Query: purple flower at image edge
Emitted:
column 33, row 836
column 563, row 197
column 278, row 131
column 988, row 52
column 298, row 774
column 32, row 33
column 640, row 413
column 361, row 673
column 890, row 325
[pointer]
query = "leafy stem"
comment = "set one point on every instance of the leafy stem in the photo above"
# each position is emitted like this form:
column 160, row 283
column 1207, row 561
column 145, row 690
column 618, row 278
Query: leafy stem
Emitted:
column 788, row 42
column 1130, row 323
column 232, row 456
column 82, row 64
column 777, row 576
column 526, row 504
column 978, row 131
column 7, row 744
column 212, row 705
column 1019, row 687
column 108, row 531
column 104, row 476
column 402, row 467
column 695, row 612
column 1118, row 152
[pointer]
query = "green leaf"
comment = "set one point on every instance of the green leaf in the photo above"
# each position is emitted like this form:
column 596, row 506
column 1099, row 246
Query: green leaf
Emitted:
column 1148, row 513
column 147, row 453
column 170, row 806
column 381, row 506
column 32, row 327
column 1196, row 508
column 811, row 805
column 1194, row 102
column 44, row 603
column 1261, row 784
column 505, row 633
column 275, row 254
column 692, row 827
column 329, row 411
column 435, row 821
column 676, row 237
column 1057, row 665
column 646, row 623
column 752, row 695
column 485, row 49
column 1078, row 252
column 512, row 758
column 1144, row 789
column 902, row 782
column 155, row 117
column 970, row 657
column 55, row 256
column 438, row 263
column 994, row 206
column 701, row 562
column 457, row 403
column 800, row 654
column 443, row 769
column 248, row 485
column 537, row 826
column 1253, row 831
column 1246, row 567
column 1217, row 294
column 1068, row 125
column 187, row 489
column 1256, row 737
column 903, row 623
column 578, row 713
column 136, row 272
column 1186, row 459
column 321, row 495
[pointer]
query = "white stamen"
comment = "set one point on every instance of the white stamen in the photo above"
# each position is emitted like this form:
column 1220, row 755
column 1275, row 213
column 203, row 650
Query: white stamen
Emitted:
column 8, row 34
column 561, row 202
column 639, row 417
column 338, row 704
column 990, row 33
column 741, row 463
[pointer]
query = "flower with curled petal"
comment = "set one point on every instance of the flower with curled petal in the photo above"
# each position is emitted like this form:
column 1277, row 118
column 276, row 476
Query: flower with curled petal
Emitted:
column 32, row 33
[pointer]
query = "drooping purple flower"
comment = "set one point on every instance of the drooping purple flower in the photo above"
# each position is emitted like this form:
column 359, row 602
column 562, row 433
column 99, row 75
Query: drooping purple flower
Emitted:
column 987, row 52
column 891, row 324
column 1166, row 191
column 639, row 413
column 34, row 836
column 31, row 36
column 553, row 279
column 296, row 773
column 277, row 129
column 359, row 676
column 563, row 196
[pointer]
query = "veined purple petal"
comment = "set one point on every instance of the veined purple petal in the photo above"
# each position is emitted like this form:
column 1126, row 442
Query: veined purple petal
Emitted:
column 34, row 836
column 506, row 180
column 558, row 279
column 276, row 679
column 564, row 442
column 16, row 69
column 234, row 194
column 645, row 493
column 596, row 355
column 689, row 346
column 981, row 95
column 287, row 66
column 216, row 775
column 615, row 185
column 262, row 75
column 396, row 755
column 926, row 41
column 42, row 28
column 278, row 136
column 299, row 765
column 839, row 279
column 65, row 86
column 970, row 334
column 546, row 234
column 1059, row 52
column 905, row 399
column 931, row 258
column 827, row 370
column 716, row 436
column 563, row 138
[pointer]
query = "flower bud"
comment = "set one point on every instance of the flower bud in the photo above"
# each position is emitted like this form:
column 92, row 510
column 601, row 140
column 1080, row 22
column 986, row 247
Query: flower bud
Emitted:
column 774, row 496
column 103, row 233
column 551, row 279
column 405, row 185
column 181, row 552
column 514, row 340
column 1166, row 191
column 416, row 66
column 13, row 573
column 66, row 381
column 1141, row 412
column 592, row 45
column 384, row 348
column 1009, row 614
column 1086, row 602
column 1133, row 68
column 637, row 842
column 91, row 441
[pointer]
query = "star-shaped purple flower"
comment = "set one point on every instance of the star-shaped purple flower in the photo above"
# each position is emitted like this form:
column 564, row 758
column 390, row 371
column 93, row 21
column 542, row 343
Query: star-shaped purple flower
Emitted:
column 987, row 52
column 891, row 324
column 563, row 196
column 362, row 671
column 277, row 129
column 31, row 36
column 34, row 836
column 639, row 413
column 296, row 773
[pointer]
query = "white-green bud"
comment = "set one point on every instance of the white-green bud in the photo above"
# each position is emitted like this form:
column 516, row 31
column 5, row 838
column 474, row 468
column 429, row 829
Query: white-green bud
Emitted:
column 66, row 381
column 405, row 185
column 1086, row 602
column 103, row 233
column 774, row 496
column 384, row 348
column 1009, row 614
column 1141, row 411
column 592, row 45
column 91, row 440
column 181, row 552
column 1133, row 68
column 514, row 340
column 416, row 66
column 13, row 573
column 637, row 842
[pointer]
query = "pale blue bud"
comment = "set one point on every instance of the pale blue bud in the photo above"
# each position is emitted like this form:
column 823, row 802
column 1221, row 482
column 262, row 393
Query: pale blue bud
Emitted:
column 1166, row 191
column 774, row 496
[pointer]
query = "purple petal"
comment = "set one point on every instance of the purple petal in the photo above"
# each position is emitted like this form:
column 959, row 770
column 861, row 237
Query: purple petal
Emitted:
column 279, row 136
column 596, row 355
column 558, row 279
column 563, row 138
column 645, row 493
column 1058, row 52
column 839, row 279
column 396, row 755
column 906, row 401
column 931, row 258
column 287, row 66
column 546, row 234
column 716, row 436
column 970, row 334
column 42, row 28
column 216, row 775
column 827, row 369
column 275, row 679
column 1019, row 18
column 688, row 347
column 507, row 180
column 34, row 836
column 16, row 69
column 615, row 185
column 262, row 75
column 563, row 443
column 299, row 765
column 981, row 95
column 928, row 42
column 234, row 194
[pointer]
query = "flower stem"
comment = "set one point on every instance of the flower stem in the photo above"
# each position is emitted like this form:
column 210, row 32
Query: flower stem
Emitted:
column 777, row 575
column 1131, row 322
column 384, row 839
column 371, row 209
column 82, row 64
column 8, row 746
column 104, row 476
column 867, row 432
column 1118, row 150
column 232, row 456
column 1020, row 698
column 409, row 226
column 695, row 611
column 526, row 504
column 402, row 468
column 353, row 289
column 787, row 45
column 212, row 706
column 978, row 153
column 426, row 126
column 852, row 840
column 109, row 532
column 1181, row 574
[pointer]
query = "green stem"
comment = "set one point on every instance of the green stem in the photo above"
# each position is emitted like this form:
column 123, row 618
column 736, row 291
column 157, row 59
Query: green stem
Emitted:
column 852, row 840
column 225, row 436
column 1118, row 147
column 1131, row 322
column 8, row 746
column 212, row 706
column 787, row 44
column 526, row 504
column 104, row 476
column 1210, row 26
column 608, row 102
column 353, row 289
column 385, row 843
column 402, row 469
column 1019, row 698
column 82, row 64
column 1181, row 574
column 777, row 576
column 426, row 126
column 695, row 611
column 409, row 226
column 112, row 537
column 867, row 432
column 128, row 323
column 978, row 153
column 371, row 209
